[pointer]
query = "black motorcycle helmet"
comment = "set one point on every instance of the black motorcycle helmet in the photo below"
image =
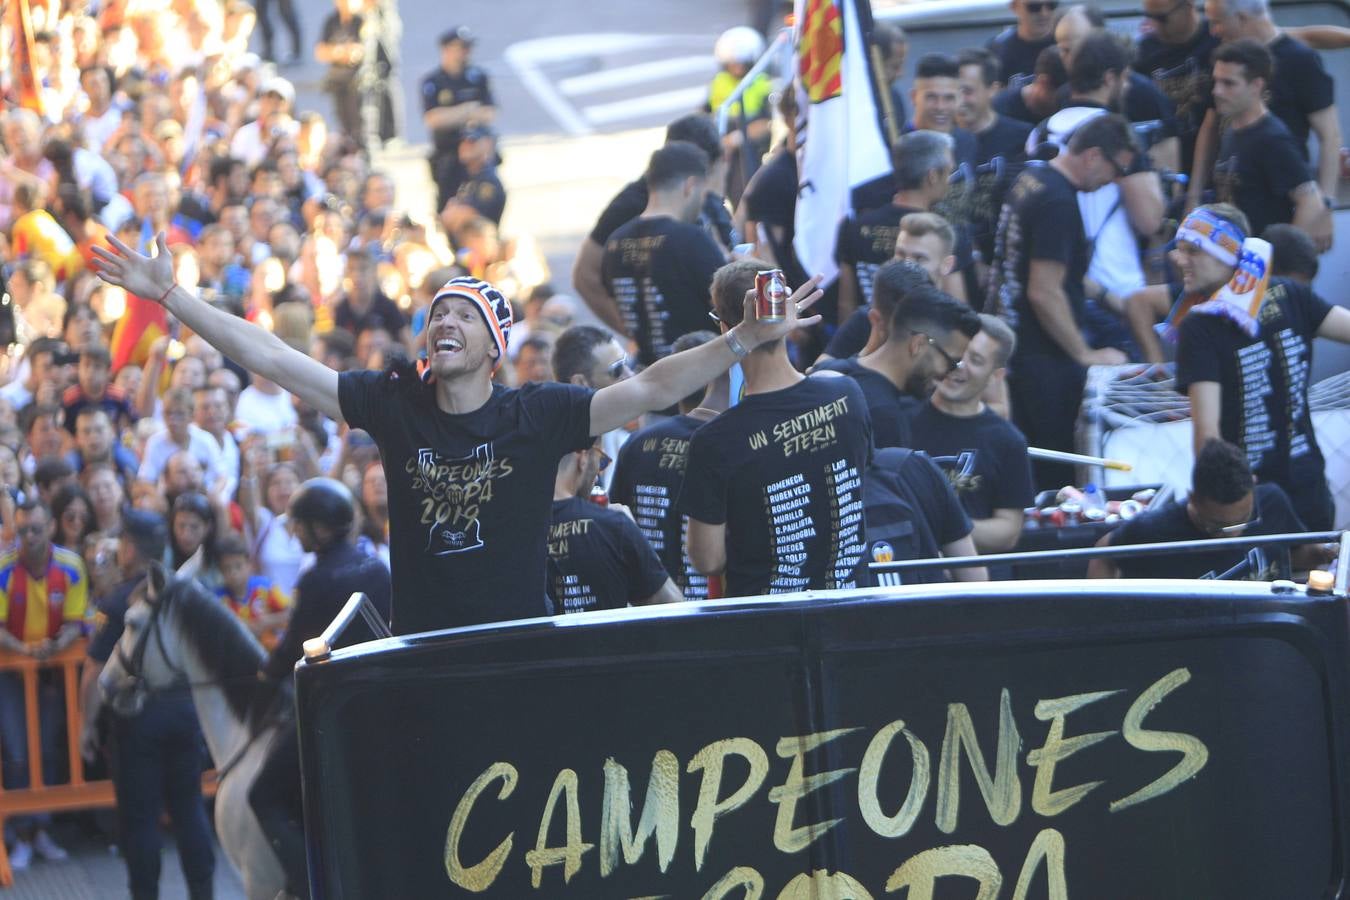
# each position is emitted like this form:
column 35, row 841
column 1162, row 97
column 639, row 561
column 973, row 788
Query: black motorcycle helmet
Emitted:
column 326, row 503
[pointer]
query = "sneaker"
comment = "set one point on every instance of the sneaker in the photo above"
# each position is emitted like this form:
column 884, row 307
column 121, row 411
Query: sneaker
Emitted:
column 47, row 848
column 21, row 856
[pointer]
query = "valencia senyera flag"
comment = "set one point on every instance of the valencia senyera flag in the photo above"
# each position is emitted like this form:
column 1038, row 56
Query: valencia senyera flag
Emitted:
column 840, row 143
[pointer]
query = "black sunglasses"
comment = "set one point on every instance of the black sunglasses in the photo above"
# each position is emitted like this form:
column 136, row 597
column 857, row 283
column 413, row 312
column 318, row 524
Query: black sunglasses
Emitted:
column 952, row 362
column 1229, row 530
column 617, row 368
column 1035, row 7
column 1161, row 17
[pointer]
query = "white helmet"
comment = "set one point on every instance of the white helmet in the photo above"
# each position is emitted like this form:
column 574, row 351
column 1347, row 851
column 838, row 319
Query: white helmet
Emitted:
column 741, row 44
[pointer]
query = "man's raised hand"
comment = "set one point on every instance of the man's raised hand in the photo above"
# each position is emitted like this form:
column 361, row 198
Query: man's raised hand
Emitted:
column 149, row 277
column 755, row 332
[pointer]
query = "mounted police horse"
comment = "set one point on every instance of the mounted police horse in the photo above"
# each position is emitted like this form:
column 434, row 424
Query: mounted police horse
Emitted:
column 177, row 633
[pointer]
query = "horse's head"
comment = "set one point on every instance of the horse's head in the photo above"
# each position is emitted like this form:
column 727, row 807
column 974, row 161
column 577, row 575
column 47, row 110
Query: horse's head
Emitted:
column 176, row 636
column 145, row 659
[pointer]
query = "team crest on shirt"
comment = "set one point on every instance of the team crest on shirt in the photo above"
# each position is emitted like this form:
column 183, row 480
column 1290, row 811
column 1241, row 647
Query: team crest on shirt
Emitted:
column 960, row 471
column 450, row 493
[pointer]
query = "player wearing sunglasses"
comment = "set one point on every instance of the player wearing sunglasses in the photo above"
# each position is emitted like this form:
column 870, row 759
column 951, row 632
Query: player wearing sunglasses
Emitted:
column 597, row 557
column 1018, row 46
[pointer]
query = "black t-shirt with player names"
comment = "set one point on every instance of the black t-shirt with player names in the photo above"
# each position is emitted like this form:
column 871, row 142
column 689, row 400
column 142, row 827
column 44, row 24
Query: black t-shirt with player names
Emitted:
column 660, row 271
column 1264, row 382
column 630, row 202
column 597, row 559
column 889, row 408
column 984, row 457
column 1040, row 220
column 469, row 495
column 1300, row 87
column 866, row 240
column 1257, row 169
column 647, row 478
column 1170, row 523
column 783, row 472
column 1182, row 72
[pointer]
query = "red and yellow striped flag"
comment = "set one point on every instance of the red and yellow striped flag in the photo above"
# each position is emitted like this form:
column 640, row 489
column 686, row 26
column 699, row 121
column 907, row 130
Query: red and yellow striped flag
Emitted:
column 29, row 91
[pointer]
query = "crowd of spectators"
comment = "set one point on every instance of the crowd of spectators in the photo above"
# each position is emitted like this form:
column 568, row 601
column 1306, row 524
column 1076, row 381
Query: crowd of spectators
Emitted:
column 1033, row 183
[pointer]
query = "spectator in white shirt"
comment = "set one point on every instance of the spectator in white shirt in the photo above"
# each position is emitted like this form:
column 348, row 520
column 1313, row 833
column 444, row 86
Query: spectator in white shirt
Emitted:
column 251, row 141
column 100, row 120
column 211, row 413
column 179, row 434
column 264, row 407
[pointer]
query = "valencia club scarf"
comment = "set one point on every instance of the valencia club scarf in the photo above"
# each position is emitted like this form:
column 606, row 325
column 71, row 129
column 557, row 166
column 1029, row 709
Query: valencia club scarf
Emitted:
column 1240, row 299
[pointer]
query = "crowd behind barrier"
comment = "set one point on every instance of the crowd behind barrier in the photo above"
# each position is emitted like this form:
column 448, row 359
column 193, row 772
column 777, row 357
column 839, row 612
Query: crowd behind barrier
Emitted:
column 1042, row 202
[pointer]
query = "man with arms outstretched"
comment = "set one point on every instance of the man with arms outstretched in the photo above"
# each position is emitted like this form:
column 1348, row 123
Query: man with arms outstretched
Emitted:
column 470, row 465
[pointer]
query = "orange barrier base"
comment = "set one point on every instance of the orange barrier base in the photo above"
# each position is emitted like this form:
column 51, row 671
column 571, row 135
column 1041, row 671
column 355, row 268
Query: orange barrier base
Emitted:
column 78, row 793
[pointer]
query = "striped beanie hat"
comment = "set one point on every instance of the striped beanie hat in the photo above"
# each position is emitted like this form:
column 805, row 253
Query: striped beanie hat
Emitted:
column 494, row 307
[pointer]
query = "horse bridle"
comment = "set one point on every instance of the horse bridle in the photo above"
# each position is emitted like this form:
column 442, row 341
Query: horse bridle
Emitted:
column 130, row 698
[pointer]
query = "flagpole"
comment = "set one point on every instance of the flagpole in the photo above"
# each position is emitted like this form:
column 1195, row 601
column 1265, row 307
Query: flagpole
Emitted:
column 30, row 94
column 883, row 90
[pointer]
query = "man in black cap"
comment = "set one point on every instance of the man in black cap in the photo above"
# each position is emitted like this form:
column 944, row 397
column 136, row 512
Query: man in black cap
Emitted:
column 455, row 96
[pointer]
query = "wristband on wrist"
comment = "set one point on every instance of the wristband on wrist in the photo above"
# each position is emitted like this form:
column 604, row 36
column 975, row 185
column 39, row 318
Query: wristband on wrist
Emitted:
column 164, row 296
column 739, row 349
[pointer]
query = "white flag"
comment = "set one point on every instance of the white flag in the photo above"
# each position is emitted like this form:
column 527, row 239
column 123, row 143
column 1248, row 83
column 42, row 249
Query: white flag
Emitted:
column 840, row 145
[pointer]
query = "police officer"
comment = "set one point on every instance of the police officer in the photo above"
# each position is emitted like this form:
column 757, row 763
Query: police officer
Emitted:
column 157, row 754
column 455, row 96
column 480, row 191
column 322, row 514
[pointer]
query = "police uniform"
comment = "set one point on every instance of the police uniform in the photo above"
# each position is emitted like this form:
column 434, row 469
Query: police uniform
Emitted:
column 484, row 192
column 322, row 591
column 441, row 89
column 157, row 762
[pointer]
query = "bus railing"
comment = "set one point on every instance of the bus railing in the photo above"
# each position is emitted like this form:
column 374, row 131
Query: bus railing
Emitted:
column 890, row 574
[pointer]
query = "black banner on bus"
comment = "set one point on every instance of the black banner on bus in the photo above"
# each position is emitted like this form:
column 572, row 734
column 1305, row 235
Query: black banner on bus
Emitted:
column 936, row 744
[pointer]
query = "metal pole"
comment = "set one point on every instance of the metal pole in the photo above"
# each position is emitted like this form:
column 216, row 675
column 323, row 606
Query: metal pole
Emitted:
column 1343, row 566
column 1125, row 551
column 319, row 648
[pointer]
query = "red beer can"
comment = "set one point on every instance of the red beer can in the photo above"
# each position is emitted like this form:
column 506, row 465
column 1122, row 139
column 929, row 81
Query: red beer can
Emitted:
column 599, row 495
column 771, row 295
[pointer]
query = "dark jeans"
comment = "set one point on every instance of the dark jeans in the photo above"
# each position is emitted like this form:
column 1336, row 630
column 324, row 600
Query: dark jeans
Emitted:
column 277, row 802
column 157, row 764
column 341, row 84
column 14, row 734
column 288, row 18
column 1046, row 392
